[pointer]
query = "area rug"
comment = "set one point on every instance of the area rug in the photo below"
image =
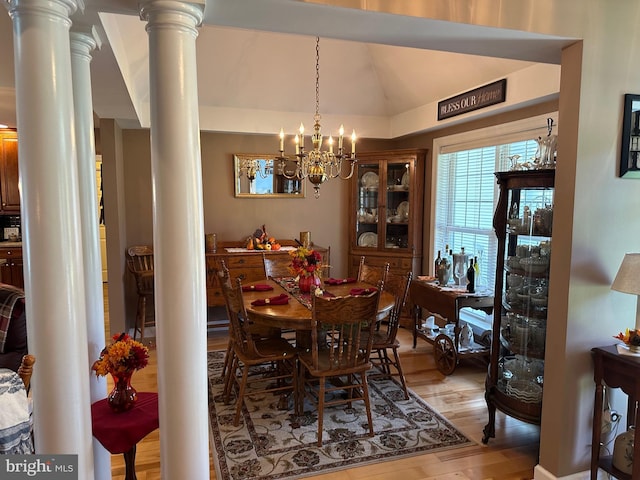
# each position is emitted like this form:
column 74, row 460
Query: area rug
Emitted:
column 270, row 444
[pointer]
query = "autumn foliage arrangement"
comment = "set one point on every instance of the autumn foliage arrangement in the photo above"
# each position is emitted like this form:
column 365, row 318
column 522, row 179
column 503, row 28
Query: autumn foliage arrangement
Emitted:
column 630, row 337
column 305, row 262
column 124, row 355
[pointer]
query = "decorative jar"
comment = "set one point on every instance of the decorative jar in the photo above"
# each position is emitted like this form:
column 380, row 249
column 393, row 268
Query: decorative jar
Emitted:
column 123, row 396
column 623, row 451
column 306, row 282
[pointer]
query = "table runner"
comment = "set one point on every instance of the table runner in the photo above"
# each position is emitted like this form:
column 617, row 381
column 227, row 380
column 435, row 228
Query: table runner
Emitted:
column 291, row 287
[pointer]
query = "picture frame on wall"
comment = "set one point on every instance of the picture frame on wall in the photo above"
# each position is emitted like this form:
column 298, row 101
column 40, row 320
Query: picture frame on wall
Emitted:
column 630, row 148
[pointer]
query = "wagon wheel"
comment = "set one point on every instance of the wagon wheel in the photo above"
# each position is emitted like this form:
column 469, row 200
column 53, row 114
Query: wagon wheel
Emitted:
column 445, row 354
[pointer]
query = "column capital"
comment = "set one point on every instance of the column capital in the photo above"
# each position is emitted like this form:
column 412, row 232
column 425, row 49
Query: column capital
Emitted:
column 84, row 39
column 172, row 12
column 56, row 7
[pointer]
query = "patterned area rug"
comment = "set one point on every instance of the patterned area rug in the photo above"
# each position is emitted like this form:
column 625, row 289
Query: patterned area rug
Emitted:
column 270, row 444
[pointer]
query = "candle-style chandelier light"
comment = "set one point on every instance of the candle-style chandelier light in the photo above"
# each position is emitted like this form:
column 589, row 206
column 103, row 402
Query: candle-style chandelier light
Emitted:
column 318, row 165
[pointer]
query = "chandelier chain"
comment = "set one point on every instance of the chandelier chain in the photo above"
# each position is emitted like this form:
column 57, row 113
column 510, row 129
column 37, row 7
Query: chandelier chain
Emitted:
column 317, row 76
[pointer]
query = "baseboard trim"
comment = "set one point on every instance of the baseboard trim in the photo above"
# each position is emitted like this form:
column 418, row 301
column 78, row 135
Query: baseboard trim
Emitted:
column 540, row 473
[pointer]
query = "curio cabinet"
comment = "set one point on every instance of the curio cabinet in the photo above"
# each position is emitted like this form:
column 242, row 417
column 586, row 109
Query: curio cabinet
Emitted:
column 522, row 222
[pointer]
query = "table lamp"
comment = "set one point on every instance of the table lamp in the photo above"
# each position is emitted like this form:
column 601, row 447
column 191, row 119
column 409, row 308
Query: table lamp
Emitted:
column 628, row 280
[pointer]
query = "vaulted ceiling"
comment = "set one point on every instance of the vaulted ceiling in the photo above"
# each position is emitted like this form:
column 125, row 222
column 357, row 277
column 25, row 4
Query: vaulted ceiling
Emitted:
column 379, row 73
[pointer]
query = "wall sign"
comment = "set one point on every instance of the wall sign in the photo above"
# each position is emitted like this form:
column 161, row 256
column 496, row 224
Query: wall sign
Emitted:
column 475, row 99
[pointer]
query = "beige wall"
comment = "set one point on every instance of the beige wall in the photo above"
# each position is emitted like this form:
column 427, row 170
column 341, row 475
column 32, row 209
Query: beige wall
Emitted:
column 595, row 219
column 234, row 218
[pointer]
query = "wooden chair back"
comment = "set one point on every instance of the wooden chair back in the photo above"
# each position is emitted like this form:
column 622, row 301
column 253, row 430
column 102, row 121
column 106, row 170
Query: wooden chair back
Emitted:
column 239, row 323
column 337, row 330
column 277, row 265
column 140, row 264
column 371, row 274
column 398, row 286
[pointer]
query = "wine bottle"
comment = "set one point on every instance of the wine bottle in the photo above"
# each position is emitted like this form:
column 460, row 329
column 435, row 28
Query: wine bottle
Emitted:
column 471, row 273
column 437, row 263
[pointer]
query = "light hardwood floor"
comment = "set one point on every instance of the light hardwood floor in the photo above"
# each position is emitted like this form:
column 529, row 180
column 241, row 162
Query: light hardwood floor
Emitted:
column 511, row 455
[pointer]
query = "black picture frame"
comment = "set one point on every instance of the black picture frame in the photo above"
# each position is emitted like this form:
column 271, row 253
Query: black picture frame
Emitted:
column 630, row 148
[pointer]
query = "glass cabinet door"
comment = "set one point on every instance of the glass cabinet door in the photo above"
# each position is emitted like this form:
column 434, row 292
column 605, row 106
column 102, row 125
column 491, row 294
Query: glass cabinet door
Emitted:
column 367, row 215
column 524, row 299
column 397, row 202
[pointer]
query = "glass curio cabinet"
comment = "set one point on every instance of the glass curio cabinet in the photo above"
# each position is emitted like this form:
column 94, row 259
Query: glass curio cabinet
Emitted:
column 522, row 222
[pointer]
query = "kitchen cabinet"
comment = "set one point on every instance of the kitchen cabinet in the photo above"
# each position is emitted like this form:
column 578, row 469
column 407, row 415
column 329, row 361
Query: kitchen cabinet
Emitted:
column 522, row 222
column 11, row 266
column 9, row 175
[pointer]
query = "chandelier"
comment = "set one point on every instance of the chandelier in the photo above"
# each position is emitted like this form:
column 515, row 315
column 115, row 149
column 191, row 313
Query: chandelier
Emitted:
column 318, row 165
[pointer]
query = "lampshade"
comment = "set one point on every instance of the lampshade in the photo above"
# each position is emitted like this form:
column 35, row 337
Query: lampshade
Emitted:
column 628, row 278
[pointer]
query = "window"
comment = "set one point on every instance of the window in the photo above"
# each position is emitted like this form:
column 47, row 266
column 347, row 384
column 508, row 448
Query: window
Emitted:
column 467, row 192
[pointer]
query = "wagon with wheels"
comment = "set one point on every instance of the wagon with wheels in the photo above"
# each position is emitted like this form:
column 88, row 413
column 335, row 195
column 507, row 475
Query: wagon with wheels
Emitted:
column 450, row 338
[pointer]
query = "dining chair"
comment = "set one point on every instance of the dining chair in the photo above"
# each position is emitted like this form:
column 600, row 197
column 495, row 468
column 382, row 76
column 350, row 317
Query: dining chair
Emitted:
column 257, row 331
column 371, row 274
column 25, row 370
column 276, row 265
column 276, row 354
column 384, row 340
column 337, row 355
column 140, row 265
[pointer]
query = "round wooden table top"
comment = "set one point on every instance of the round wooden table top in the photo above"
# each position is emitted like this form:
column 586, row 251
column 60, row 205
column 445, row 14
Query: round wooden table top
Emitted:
column 295, row 315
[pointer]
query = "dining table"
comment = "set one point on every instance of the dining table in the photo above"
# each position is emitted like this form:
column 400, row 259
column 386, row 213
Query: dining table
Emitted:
column 296, row 314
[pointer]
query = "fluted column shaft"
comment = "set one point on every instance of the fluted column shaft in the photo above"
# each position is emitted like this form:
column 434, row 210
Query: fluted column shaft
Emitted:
column 178, row 230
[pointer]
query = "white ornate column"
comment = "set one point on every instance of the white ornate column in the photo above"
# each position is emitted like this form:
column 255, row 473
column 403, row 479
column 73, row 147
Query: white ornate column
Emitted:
column 52, row 248
column 178, row 233
column 84, row 39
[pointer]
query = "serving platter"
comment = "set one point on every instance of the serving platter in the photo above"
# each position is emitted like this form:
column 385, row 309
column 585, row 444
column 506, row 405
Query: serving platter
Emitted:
column 369, row 180
column 368, row 239
column 403, row 210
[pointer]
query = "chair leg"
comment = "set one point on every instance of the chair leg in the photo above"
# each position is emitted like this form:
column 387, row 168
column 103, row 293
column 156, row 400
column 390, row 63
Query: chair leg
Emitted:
column 227, row 359
column 321, row 394
column 398, row 366
column 240, row 399
column 229, row 379
column 140, row 316
column 365, row 394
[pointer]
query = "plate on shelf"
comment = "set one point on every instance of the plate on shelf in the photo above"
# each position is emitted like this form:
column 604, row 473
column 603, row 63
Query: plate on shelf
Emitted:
column 368, row 239
column 405, row 180
column 369, row 180
column 403, row 210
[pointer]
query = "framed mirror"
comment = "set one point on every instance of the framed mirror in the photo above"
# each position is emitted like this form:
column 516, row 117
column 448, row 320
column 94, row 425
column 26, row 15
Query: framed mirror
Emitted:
column 260, row 176
column 630, row 150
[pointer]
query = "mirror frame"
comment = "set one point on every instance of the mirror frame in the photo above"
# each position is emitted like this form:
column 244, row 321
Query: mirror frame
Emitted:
column 238, row 176
column 630, row 148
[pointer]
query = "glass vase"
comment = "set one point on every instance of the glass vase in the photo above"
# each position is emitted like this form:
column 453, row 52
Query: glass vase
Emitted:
column 123, row 396
column 305, row 283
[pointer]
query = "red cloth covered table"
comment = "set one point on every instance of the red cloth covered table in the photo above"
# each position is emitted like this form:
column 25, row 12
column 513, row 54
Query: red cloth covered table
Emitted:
column 120, row 432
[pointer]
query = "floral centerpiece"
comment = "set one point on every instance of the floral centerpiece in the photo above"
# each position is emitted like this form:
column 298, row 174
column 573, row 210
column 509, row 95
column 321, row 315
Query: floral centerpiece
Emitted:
column 631, row 339
column 305, row 265
column 120, row 359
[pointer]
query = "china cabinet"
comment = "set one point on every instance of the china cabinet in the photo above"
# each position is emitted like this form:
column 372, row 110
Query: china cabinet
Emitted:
column 522, row 222
column 385, row 210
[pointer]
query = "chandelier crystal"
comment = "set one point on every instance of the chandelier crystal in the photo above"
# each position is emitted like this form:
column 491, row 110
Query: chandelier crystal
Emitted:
column 318, row 165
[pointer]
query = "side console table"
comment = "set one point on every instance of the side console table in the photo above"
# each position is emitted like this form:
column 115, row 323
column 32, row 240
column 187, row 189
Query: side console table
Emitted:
column 616, row 371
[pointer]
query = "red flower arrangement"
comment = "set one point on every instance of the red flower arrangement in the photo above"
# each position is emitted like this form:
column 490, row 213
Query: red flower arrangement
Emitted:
column 123, row 355
column 306, row 262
